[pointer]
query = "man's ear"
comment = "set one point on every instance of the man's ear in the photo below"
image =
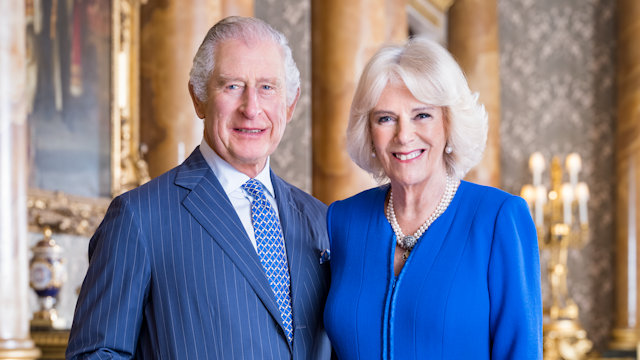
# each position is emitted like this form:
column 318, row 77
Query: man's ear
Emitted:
column 292, row 107
column 197, row 104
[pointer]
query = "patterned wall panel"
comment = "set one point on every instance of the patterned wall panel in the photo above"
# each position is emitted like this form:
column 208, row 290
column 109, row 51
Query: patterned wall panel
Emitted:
column 558, row 96
column 292, row 159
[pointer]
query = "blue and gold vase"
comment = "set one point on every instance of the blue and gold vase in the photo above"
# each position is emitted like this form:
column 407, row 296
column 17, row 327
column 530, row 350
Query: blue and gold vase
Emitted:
column 47, row 275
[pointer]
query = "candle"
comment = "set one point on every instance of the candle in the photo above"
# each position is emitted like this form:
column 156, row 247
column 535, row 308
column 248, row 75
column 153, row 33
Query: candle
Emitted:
column 540, row 200
column 573, row 164
column 582, row 194
column 528, row 193
column 567, row 199
column 536, row 165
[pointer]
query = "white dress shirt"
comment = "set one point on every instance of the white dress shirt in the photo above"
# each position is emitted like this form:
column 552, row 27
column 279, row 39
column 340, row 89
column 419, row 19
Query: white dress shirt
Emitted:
column 231, row 180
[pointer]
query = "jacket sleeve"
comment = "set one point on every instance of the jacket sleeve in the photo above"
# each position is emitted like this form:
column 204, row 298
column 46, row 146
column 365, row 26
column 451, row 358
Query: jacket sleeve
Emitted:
column 110, row 305
column 514, row 285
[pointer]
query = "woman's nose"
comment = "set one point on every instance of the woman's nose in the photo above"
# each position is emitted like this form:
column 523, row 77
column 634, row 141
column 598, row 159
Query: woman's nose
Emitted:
column 404, row 131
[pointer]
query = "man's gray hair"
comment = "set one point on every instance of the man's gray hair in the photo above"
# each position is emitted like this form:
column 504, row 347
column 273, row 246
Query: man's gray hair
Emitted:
column 245, row 28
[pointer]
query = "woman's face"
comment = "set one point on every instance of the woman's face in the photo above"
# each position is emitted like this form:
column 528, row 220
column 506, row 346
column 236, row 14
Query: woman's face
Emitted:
column 408, row 136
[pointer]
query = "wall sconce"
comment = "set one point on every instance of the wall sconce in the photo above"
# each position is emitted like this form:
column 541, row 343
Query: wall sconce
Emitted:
column 561, row 219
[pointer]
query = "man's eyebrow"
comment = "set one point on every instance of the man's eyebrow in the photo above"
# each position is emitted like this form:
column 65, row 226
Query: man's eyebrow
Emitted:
column 270, row 80
column 222, row 79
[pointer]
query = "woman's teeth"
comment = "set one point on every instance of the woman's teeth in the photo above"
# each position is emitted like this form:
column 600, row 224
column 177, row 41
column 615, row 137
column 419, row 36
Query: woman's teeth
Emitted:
column 409, row 156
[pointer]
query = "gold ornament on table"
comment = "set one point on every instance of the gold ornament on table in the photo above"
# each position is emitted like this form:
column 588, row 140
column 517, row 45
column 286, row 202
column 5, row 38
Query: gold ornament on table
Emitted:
column 561, row 219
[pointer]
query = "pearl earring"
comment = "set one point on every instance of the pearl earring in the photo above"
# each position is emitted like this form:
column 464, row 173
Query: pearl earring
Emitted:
column 373, row 154
column 448, row 149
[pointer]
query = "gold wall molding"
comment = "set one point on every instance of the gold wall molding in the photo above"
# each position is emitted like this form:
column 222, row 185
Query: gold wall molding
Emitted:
column 64, row 213
column 128, row 170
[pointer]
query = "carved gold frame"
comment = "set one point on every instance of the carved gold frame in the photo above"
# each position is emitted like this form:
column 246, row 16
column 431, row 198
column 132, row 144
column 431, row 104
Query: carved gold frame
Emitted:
column 76, row 215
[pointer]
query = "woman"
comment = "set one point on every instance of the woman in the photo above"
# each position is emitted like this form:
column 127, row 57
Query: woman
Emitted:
column 428, row 266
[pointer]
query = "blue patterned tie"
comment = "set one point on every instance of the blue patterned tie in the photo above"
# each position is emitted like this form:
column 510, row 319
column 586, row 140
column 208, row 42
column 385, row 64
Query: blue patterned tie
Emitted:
column 270, row 244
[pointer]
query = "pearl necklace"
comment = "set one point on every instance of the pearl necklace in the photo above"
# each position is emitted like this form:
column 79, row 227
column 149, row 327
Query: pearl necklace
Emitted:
column 407, row 242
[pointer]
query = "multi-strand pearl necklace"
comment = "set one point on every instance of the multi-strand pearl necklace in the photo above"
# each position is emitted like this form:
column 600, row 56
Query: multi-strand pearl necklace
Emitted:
column 407, row 242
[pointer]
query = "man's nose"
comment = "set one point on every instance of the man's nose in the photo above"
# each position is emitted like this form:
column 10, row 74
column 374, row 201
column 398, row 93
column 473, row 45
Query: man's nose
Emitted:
column 250, row 104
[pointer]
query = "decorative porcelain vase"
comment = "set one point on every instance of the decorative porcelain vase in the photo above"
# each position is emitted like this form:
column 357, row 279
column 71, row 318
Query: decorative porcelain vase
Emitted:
column 47, row 275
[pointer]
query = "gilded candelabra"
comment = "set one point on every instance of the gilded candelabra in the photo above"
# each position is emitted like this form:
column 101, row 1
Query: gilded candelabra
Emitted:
column 560, row 215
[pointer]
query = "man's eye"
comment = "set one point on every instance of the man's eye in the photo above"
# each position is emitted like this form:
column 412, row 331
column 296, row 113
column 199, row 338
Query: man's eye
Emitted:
column 267, row 87
column 233, row 87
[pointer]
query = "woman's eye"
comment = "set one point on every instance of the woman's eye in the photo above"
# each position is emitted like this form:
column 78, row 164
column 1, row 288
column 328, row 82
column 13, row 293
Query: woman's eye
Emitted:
column 384, row 119
column 423, row 116
column 233, row 87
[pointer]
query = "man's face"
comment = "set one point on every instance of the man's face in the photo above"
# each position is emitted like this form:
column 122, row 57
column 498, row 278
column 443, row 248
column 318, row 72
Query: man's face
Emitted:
column 246, row 112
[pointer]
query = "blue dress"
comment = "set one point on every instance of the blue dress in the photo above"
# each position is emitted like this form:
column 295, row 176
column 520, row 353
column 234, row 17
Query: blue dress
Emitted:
column 469, row 290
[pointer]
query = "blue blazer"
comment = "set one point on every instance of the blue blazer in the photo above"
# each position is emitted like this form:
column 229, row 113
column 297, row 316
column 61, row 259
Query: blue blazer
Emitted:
column 173, row 275
column 469, row 290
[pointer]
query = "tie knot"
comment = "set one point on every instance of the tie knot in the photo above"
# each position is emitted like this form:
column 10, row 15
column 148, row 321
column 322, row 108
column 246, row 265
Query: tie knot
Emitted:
column 254, row 188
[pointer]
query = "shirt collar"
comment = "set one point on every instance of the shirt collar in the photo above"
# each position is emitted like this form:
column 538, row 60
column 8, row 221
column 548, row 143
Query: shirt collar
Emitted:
column 229, row 177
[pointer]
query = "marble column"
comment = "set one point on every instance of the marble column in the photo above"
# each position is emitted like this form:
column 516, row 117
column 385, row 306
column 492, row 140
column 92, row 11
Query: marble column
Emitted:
column 237, row 7
column 473, row 41
column 397, row 28
column 627, row 316
column 171, row 32
column 344, row 36
column 15, row 340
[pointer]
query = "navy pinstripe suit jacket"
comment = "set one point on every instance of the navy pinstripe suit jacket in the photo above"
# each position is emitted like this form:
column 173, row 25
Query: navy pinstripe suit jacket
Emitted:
column 173, row 275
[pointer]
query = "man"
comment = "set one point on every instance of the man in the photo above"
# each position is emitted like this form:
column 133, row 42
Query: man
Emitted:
column 218, row 258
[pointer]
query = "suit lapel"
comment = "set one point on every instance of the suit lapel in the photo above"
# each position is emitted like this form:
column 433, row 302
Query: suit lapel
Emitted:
column 209, row 205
